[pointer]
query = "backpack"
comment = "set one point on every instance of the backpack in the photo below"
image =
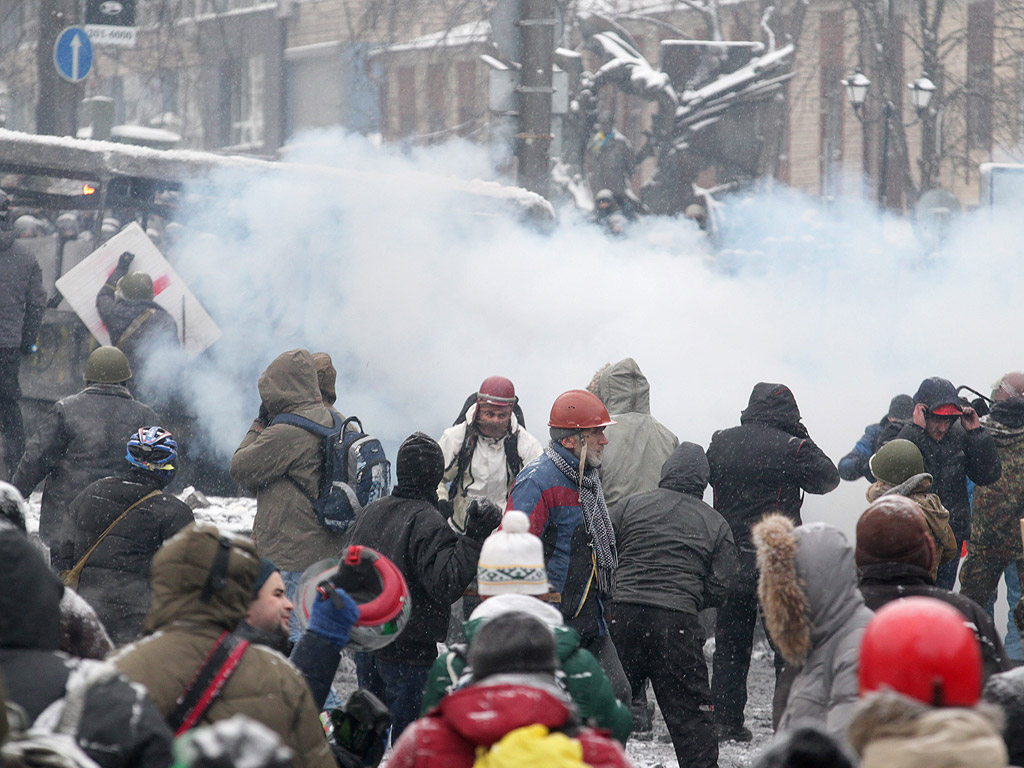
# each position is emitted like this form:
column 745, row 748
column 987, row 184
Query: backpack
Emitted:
column 51, row 741
column 354, row 470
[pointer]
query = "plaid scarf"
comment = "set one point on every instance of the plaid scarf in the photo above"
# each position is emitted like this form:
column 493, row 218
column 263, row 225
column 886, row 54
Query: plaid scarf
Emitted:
column 595, row 518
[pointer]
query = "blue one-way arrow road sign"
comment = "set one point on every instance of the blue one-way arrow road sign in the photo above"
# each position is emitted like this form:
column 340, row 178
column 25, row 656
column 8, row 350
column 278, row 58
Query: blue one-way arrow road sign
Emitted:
column 72, row 54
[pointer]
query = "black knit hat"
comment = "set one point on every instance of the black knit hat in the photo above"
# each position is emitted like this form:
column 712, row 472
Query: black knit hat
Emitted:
column 512, row 642
column 267, row 567
column 419, row 467
column 901, row 407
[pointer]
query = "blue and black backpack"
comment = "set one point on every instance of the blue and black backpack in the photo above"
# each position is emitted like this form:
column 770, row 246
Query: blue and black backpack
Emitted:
column 354, row 470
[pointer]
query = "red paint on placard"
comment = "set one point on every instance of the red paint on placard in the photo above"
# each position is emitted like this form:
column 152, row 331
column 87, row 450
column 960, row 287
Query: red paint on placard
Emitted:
column 160, row 284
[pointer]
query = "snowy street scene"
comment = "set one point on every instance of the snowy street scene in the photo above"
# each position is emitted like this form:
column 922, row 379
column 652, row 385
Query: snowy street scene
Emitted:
column 511, row 384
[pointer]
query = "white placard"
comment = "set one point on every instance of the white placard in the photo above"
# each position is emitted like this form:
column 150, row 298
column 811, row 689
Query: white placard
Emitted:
column 80, row 285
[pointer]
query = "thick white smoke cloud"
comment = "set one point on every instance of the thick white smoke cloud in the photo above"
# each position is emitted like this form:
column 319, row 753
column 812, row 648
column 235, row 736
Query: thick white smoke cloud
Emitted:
column 418, row 297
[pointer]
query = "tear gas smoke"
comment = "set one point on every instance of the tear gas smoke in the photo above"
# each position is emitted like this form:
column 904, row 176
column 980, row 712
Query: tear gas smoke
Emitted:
column 418, row 298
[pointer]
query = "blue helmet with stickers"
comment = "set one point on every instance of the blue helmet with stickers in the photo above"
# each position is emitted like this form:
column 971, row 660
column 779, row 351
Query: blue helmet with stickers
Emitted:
column 153, row 449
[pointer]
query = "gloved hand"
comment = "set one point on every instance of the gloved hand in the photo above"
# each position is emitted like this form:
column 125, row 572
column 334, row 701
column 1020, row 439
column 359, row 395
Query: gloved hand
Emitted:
column 264, row 415
column 482, row 517
column 334, row 614
column 125, row 261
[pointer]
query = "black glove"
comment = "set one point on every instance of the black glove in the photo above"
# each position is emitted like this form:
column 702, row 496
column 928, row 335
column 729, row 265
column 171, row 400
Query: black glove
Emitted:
column 264, row 416
column 482, row 517
column 125, row 261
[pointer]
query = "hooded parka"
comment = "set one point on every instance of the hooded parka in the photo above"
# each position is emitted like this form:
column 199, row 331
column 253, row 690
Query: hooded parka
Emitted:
column 815, row 614
column 675, row 552
column 182, row 628
column 638, row 444
column 281, row 465
column 119, row 725
column 890, row 730
column 767, row 463
column 958, row 456
column 80, row 440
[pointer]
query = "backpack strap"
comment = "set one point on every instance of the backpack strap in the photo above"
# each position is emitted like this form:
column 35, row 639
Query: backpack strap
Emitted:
column 137, row 323
column 208, row 682
column 311, row 426
column 326, row 433
column 70, row 578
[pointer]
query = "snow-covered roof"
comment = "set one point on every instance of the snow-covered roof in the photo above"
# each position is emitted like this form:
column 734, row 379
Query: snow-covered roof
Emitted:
column 464, row 34
column 86, row 158
column 143, row 134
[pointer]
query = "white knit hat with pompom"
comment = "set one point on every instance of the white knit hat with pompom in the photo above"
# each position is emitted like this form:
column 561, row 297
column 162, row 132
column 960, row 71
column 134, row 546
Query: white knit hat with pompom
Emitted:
column 512, row 560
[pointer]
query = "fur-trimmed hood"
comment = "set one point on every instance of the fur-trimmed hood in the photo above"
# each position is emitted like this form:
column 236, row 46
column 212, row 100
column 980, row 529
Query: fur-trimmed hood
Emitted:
column 893, row 731
column 808, row 583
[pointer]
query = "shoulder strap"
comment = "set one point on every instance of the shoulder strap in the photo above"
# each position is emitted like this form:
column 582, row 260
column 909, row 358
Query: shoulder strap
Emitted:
column 77, row 570
column 208, row 682
column 136, row 324
column 311, row 426
column 327, row 433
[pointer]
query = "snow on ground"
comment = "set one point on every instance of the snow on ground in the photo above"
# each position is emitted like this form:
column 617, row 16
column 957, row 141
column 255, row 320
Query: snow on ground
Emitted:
column 236, row 514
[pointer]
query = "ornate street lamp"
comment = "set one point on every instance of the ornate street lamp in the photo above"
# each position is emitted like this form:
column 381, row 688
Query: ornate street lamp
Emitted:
column 921, row 91
column 857, row 89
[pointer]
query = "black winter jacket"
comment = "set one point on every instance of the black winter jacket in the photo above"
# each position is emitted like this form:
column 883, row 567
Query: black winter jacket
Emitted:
column 157, row 331
column 81, row 439
column 22, row 299
column 885, row 582
column 119, row 727
column 675, row 551
column 766, row 463
column 960, row 455
column 115, row 579
column 437, row 563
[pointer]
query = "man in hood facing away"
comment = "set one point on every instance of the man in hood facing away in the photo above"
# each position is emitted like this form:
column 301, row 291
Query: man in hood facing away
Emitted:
column 638, row 444
column 280, row 464
column 676, row 557
column 118, row 725
column 815, row 614
column 764, row 465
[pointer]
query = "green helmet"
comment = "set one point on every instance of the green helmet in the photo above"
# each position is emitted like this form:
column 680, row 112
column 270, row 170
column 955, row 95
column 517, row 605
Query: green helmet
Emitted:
column 897, row 461
column 107, row 365
column 136, row 285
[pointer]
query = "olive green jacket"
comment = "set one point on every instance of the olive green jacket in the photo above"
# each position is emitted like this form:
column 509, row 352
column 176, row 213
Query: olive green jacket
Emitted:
column 281, row 465
column 181, row 630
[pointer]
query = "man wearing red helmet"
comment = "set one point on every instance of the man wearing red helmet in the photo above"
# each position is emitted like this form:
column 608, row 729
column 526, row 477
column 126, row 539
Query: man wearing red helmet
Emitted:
column 920, row 683
column 561, row 492
column 484, row 452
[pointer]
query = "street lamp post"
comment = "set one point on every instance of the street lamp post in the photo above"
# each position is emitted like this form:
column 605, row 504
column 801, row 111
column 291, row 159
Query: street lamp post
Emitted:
column 857, row 86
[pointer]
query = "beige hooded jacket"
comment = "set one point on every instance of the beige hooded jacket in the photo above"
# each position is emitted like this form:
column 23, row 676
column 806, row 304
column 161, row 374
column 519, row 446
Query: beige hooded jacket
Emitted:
column 281, row 465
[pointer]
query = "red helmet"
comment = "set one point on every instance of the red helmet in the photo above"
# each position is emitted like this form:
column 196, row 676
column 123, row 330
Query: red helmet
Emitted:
column 922, row 648
column 579, row 409
column 497, row 390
